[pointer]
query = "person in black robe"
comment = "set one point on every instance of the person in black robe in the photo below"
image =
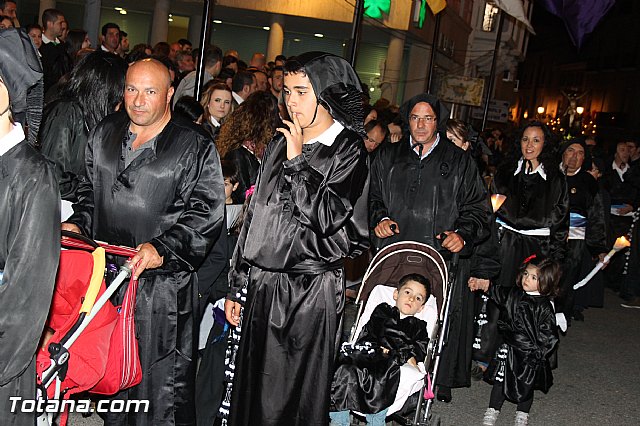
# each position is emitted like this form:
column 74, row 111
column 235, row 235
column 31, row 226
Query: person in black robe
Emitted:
column 529, row 338
column 30, row 232
column 367, row 377
column 428, row 188
column 154, row 182
column 587, row 231
column 94, row 90
column 308, row 212
column 534, row 217
column 622, row 182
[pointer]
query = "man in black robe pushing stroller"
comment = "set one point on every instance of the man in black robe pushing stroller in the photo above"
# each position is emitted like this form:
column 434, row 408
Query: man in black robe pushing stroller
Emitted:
column 154, row 182
column 426, row 189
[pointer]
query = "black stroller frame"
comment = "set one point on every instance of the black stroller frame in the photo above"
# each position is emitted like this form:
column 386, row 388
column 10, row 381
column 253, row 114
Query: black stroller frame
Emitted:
column 404, row 252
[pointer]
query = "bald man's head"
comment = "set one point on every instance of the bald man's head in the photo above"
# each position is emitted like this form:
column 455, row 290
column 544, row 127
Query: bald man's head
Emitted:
column 148, row 92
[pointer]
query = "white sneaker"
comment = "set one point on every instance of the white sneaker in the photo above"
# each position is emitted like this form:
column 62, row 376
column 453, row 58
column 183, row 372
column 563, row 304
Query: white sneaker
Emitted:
column 490, row 417
column 522, row 419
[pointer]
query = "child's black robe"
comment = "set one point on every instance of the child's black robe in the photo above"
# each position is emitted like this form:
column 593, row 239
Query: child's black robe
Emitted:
column 369, row 384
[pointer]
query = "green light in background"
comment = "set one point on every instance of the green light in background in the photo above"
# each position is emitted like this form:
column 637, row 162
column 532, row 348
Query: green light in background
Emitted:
column 377, row 8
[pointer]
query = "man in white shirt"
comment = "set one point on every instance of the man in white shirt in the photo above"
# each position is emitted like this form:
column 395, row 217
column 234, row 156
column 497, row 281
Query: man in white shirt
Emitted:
column 110, row 37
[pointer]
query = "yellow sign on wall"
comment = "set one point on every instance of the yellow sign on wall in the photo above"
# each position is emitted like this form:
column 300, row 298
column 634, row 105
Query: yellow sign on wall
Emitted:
column 462, row 90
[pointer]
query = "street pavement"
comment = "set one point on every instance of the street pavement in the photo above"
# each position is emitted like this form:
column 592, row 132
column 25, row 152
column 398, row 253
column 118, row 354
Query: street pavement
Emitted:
column 597, row 381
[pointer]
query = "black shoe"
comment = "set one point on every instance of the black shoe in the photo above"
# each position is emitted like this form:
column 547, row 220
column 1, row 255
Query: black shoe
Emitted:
column 444, row 394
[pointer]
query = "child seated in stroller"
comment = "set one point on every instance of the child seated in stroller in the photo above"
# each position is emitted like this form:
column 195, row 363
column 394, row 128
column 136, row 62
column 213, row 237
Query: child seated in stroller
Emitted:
column 368, row 373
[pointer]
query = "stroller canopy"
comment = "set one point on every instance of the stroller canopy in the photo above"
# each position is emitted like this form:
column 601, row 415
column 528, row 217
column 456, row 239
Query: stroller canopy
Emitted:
column 396, row 260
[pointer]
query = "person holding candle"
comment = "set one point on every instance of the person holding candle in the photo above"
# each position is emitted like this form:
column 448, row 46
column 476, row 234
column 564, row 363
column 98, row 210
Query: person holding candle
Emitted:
column 534, row 217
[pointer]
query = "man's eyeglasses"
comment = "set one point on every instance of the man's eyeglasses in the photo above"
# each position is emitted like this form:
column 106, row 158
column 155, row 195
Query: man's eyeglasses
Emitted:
column 425, row 119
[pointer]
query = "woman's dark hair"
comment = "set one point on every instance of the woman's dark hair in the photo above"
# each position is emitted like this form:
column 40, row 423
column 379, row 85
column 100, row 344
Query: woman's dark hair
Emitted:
column 188, row 107
column 458, row 128
column 549, row 273
column 138, row 52
column 254, row 120
column 161, row 48
column 421, row 279
column 75, row 38
column 97, row 83
column 32, row 26
column 228, row 60
column 230, row 171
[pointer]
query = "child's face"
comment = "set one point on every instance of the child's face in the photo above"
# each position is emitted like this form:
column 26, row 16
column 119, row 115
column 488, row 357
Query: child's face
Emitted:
column 410, row 299
column 530, row 279
column 229, row 188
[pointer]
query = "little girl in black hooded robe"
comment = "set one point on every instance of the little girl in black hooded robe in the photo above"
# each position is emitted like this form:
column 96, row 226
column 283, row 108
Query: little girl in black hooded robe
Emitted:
column 528, row 337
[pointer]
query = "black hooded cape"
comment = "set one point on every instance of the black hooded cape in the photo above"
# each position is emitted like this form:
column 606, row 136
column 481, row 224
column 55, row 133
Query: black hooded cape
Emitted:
column 305, row 216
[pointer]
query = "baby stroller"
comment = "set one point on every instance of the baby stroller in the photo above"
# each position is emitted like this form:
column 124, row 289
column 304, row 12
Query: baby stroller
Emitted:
column 387, row 267
column 93, row 346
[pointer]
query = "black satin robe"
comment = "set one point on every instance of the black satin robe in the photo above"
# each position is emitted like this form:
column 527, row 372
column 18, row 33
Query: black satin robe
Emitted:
column 172, row 197
column 306, row 215
column 532, row 202
column 528, row 327
column 247, row 165
column 369, row 384
column 63, row 140
column 586, row 200
column 443, row 192
column 29, row 253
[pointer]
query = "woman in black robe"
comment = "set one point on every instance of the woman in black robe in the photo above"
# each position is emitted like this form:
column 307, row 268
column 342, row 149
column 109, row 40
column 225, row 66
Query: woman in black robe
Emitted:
column 93, row 91
column 534, row 218
column 307, row 213
column 29, row 229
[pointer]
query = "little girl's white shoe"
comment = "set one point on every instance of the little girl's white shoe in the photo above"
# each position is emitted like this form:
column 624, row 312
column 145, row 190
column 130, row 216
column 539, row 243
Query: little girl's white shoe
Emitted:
column 490, row 417
column 522, row 418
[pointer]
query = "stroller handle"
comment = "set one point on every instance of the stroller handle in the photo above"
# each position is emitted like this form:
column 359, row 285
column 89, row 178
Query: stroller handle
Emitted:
column 75, row 240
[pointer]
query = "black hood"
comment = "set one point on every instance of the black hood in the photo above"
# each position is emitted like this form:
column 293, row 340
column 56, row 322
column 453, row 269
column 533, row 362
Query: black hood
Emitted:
column 336, row 86
column 438, row 107
column 21, row 71
column 586, row 165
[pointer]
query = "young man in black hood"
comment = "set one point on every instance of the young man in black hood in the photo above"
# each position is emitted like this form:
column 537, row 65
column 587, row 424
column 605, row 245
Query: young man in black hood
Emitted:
column 30, row 225
column 308, row 212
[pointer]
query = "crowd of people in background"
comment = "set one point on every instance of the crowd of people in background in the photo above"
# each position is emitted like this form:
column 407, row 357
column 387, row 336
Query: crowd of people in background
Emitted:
column 430, row 176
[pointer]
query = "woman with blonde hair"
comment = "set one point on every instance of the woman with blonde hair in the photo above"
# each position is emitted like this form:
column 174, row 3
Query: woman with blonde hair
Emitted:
column 217, row 103
column 245, row 134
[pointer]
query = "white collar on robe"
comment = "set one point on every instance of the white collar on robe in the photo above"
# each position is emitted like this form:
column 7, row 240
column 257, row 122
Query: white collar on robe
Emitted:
column 425, row 154
column 621, row 170
column 328, row 137
column 214, row 121
column 11, row 139
column 539, row 170
column 237, row 98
